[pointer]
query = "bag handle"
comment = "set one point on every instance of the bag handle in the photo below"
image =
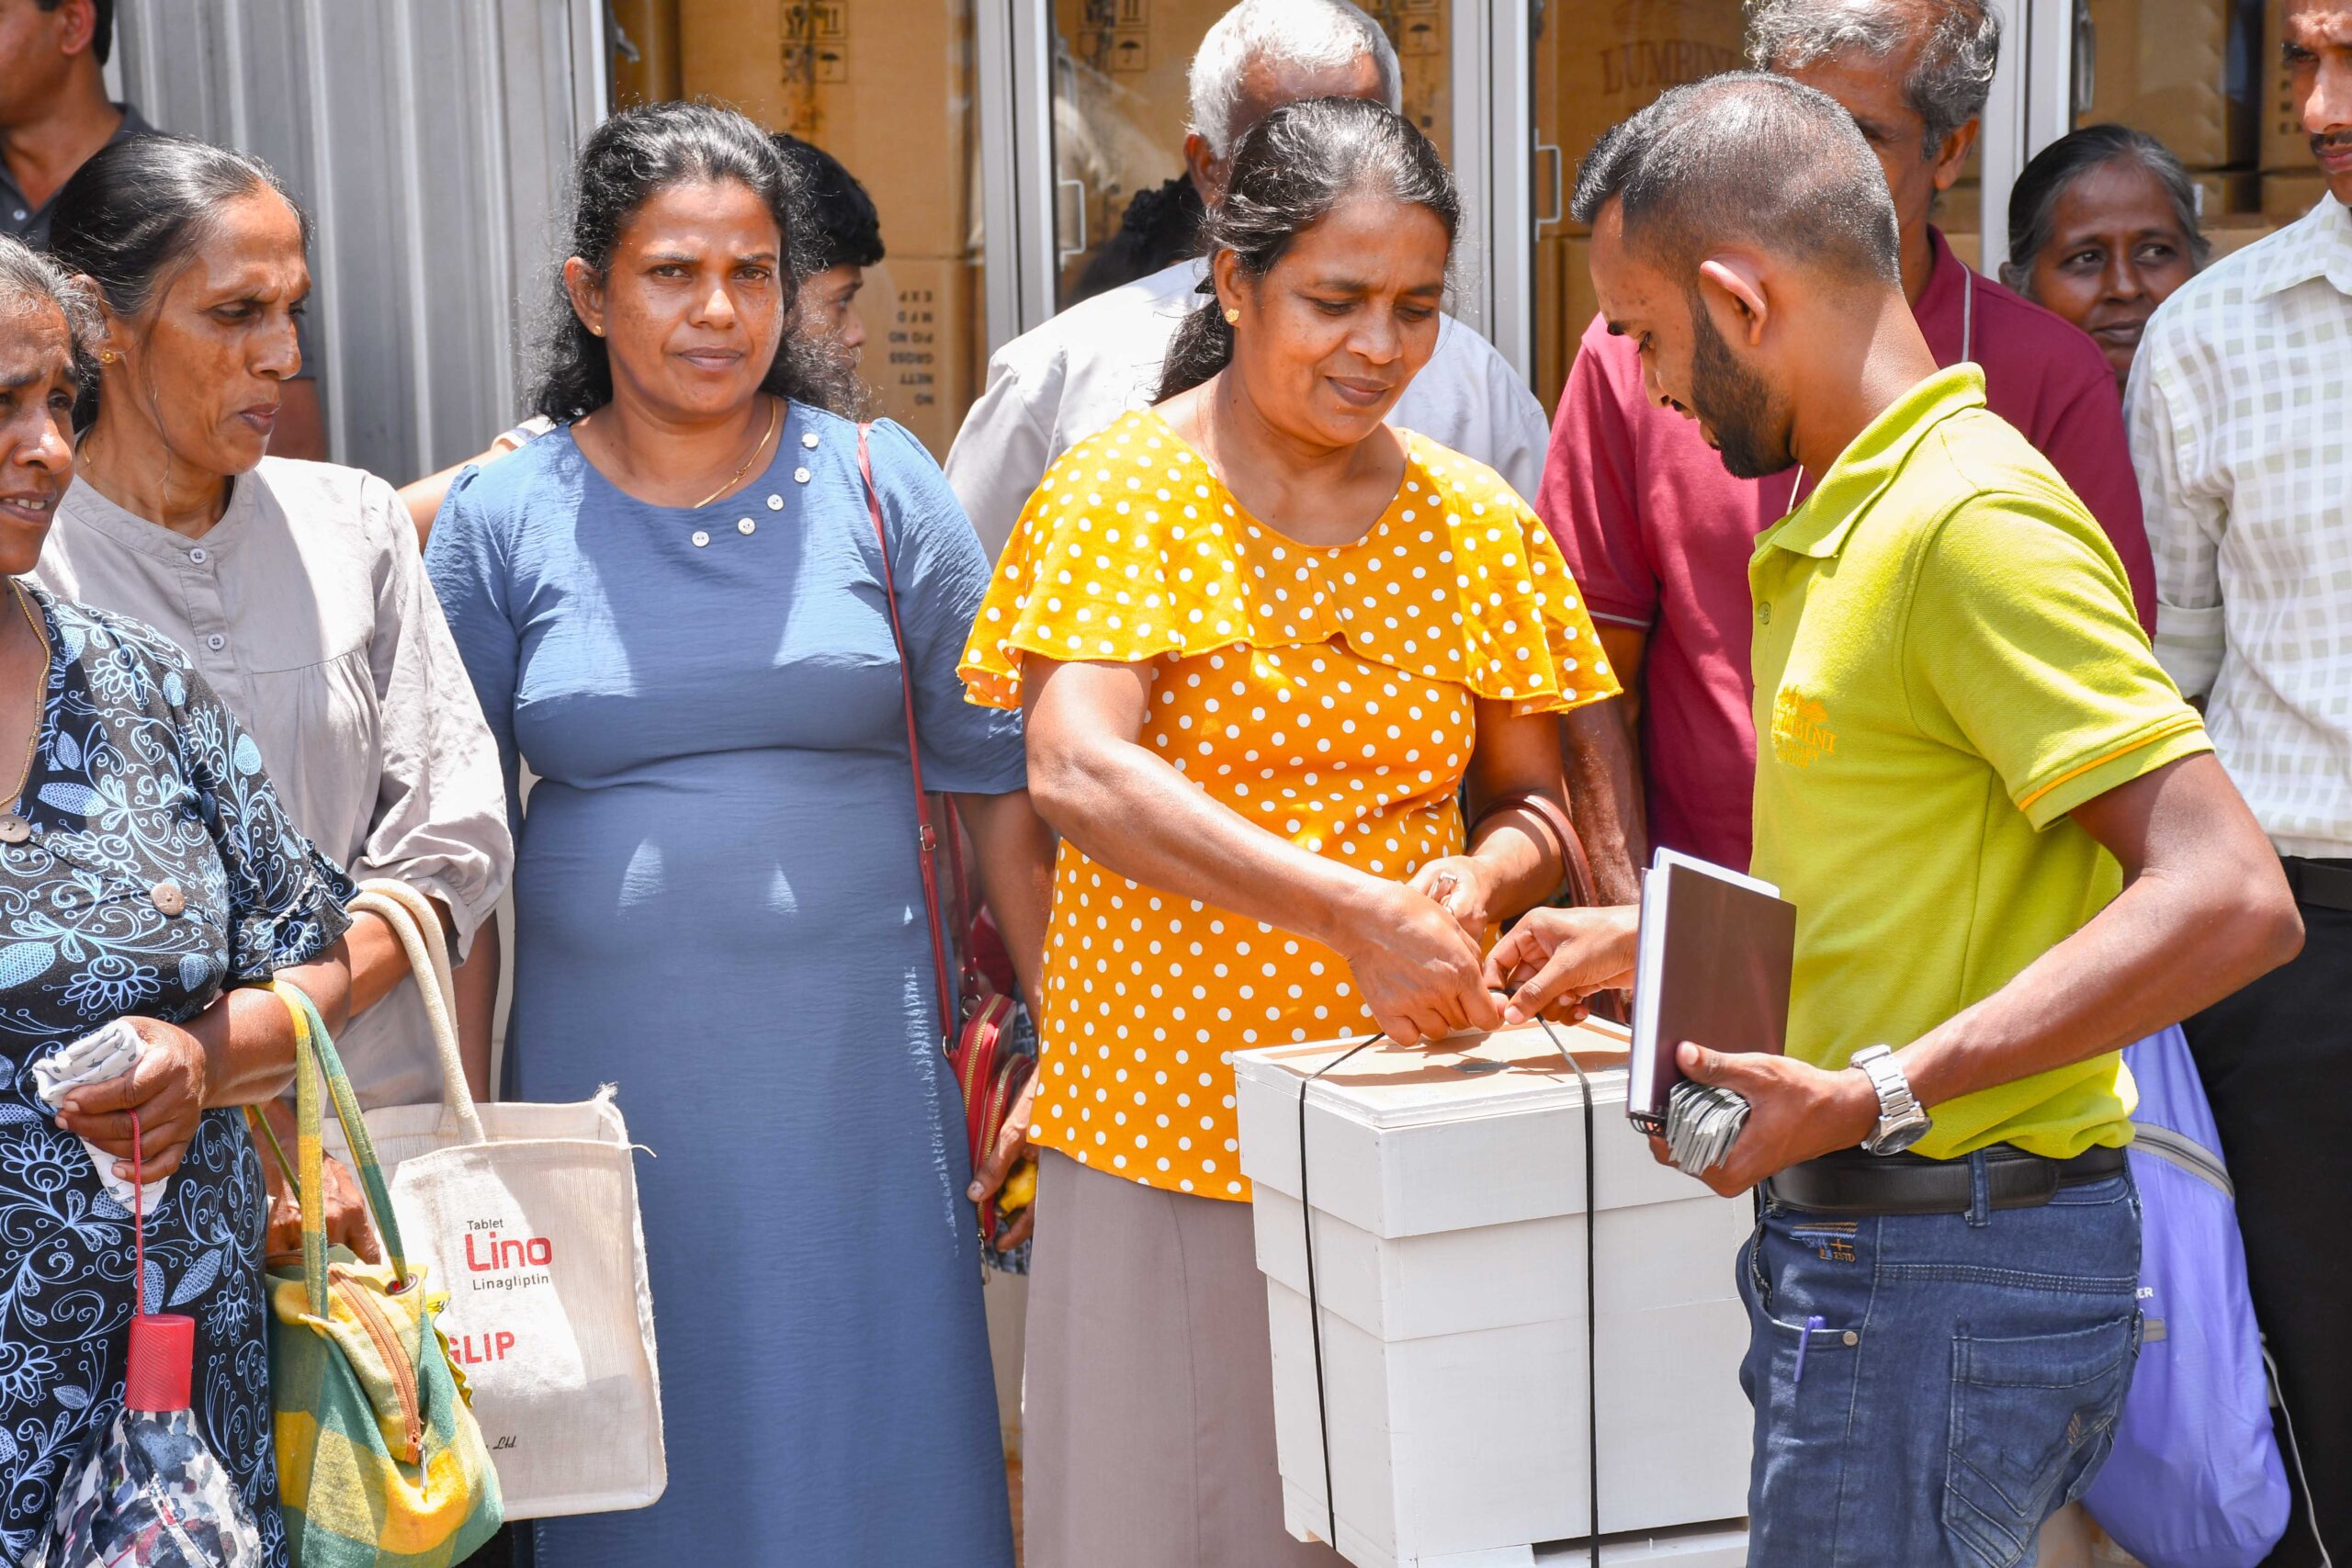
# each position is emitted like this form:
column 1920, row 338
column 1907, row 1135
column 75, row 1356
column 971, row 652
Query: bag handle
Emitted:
column 926, row 839
column 418, row 925
column 315, row 1058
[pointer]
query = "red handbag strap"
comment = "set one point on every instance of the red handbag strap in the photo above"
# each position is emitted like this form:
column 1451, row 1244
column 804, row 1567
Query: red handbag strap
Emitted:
column 926, row 840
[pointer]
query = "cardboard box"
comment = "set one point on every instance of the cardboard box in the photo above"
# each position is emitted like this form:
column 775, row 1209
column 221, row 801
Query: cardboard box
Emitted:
column 2221, row 192
column 2237, row 231
column 1449, row 1234
column 884, row 86
column 2182, row 71
column 2286, row 145
column 1596, row 64
column 652, row 29
column 924, row 346
column 2286, row 198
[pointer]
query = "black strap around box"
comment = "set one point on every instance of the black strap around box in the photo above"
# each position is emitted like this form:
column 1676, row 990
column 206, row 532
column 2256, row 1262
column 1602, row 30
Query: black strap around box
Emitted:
column 1592, row 1299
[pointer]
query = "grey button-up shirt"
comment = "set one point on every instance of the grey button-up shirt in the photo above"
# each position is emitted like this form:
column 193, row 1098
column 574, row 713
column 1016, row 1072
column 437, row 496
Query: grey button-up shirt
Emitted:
column 307, row 608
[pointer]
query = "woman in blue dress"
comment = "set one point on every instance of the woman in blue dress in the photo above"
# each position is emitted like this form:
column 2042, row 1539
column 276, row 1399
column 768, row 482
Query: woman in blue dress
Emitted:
column 673, row 609
column 146, row 870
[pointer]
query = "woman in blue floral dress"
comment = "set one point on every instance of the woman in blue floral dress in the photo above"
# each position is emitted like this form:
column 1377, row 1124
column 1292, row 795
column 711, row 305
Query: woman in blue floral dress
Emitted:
column 146, row 870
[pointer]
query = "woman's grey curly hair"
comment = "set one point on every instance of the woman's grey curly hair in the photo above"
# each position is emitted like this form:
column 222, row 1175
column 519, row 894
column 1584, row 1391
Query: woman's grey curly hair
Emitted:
column 29, row 281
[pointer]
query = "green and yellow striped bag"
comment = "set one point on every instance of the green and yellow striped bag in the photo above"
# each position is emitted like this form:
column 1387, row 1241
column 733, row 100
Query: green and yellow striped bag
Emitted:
column 379, row 1463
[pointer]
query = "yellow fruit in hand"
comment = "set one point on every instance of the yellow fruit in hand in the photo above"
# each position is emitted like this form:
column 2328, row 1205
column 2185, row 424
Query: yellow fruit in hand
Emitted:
column 1019, row 1188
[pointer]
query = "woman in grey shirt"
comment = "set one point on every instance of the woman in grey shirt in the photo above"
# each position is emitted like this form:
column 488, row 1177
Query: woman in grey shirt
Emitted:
column 295, row 587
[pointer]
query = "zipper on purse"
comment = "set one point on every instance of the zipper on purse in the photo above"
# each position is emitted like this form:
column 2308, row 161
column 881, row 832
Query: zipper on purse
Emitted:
column 388, row 1344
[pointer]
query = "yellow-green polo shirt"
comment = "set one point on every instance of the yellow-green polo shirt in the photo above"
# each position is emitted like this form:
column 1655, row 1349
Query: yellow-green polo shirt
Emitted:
column 1947, row 663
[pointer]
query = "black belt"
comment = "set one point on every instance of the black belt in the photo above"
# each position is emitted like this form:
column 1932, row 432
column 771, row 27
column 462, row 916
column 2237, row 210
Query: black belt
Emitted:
column 2322, row 884
column 1853, row 1182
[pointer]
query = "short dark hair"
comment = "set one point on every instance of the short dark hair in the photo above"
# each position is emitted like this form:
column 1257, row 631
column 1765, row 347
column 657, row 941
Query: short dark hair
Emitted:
column 1290, row 171
column 137, row 208
column 833, row 220
column 101, row 27
column 2033, row 201
column 626, row 160
column 1746, row 156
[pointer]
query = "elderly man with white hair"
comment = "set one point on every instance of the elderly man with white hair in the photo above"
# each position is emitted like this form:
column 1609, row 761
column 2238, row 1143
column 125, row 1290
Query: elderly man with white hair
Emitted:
column 1052, row 388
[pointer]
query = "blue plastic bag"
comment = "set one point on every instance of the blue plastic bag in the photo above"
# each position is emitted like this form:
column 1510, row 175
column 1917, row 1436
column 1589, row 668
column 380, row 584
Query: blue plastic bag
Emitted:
column 2194, row 1479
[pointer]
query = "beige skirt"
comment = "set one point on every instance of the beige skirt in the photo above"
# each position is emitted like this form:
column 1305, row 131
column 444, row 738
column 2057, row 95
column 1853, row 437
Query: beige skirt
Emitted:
column 1148, row 1419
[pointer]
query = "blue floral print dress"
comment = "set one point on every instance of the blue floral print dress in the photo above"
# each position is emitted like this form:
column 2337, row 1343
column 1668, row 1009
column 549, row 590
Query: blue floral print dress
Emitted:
column 146, row 866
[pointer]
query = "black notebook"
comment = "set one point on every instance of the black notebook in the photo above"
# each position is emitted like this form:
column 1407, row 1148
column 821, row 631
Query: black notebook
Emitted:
column 1717, row 951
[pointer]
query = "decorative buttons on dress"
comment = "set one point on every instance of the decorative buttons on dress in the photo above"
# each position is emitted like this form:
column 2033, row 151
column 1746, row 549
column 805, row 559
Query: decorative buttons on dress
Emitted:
column 167, row 898
column 199, row 555
column 775, row 503
column 808, row 439
column 14, row 830
column 216, row 642
column 744, row 525
column 701, row 538
column 801, row 476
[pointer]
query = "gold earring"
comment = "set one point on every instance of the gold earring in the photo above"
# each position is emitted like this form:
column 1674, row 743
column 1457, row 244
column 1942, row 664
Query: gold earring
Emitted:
column 108, row 356
column 1232, row 318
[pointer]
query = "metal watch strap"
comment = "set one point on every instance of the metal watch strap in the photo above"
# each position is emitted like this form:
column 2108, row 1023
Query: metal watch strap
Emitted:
column 1899, row 1108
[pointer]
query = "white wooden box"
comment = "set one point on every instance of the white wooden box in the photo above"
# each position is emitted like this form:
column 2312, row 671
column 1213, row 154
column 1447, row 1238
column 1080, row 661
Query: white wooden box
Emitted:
column 1448, row 1188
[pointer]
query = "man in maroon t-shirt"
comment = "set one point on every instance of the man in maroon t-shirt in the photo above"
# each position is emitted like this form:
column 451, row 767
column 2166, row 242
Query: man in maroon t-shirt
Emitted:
column 1659, row 536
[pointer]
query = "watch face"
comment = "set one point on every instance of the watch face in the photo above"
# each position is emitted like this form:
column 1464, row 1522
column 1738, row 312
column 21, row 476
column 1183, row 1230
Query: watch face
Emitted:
column 1897, row 1139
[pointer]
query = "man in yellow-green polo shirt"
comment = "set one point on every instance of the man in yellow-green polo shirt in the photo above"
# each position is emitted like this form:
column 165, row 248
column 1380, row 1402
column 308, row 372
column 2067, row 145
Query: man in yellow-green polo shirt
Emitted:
column 2009, row 847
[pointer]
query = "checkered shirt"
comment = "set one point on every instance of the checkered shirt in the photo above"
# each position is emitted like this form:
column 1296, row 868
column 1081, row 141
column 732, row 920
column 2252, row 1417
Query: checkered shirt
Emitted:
column 2240, row 419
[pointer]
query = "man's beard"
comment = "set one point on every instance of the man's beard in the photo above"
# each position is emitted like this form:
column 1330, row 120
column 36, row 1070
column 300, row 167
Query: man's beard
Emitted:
column 1735, row 403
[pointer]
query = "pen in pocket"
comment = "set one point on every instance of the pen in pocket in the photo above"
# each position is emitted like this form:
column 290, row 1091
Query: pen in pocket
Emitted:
column 1812, row 1326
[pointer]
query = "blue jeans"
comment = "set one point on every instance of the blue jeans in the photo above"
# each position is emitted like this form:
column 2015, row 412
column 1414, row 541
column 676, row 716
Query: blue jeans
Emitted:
column 1962, row 1384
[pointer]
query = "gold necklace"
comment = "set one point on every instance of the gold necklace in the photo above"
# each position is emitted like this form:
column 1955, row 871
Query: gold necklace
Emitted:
column 14, row 829
column 775, row 417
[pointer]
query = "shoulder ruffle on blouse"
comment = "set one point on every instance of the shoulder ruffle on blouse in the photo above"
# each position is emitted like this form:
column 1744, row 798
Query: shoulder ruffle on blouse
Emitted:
column 1132, row 550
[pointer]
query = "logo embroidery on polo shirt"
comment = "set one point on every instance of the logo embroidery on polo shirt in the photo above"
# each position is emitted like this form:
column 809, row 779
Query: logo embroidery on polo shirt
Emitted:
column 1801, row 732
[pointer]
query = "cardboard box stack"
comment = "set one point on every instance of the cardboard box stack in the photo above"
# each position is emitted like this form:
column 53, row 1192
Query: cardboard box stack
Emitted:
column 1594, row 65
column 2191, row 73
column 886, row 86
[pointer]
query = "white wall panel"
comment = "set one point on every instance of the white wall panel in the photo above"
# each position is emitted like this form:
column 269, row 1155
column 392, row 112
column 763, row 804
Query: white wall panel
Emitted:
column 429, row 139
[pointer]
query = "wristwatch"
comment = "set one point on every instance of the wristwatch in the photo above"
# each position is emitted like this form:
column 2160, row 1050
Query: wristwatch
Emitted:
column 1901, row 1121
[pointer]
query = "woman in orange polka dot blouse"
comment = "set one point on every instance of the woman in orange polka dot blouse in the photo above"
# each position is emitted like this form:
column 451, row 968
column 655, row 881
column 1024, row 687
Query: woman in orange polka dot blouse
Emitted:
column 1262, row 639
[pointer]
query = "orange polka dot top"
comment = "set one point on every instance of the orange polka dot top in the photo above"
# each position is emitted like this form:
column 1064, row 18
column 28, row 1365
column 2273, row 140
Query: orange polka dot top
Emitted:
column 1326, row 695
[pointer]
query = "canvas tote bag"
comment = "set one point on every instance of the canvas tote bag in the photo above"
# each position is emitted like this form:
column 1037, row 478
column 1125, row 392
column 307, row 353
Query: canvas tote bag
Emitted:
column 528, row 1215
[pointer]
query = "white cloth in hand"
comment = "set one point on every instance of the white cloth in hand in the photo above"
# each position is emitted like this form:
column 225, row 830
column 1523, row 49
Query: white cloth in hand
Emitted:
column 99, row 1056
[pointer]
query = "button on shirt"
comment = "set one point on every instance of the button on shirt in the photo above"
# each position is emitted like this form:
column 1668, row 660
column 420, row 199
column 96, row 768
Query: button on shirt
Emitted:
column 2241, row 427
column 307, row 608
column 1951, row 665
column 1055, row 386
column 1659, row 536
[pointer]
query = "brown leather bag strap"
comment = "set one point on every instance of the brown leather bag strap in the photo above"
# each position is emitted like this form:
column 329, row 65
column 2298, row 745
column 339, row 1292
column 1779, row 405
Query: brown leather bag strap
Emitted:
column 1576, row 870
column 926, row 839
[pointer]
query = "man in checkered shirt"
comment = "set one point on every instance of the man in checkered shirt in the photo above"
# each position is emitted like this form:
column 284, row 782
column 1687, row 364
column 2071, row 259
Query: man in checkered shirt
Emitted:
column 2241, row 421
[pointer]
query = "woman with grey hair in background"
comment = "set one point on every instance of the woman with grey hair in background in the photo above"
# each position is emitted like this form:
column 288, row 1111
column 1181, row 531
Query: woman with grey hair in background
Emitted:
column 148, row 876
column 2103, row 227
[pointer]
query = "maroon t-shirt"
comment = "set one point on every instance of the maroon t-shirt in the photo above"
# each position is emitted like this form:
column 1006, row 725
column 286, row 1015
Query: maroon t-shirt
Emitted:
column 1659, row 536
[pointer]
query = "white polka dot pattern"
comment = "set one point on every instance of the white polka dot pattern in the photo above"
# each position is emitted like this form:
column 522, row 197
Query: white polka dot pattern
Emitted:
column 1326, row 695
